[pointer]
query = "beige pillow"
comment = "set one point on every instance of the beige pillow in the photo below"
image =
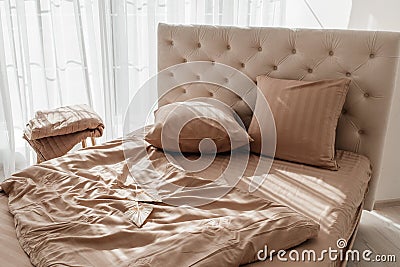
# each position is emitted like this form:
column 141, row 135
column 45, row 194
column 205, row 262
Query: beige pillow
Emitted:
column 205, row 125
column 306, row 115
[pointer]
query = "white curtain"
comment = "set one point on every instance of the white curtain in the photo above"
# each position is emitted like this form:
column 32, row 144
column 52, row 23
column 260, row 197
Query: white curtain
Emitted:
column 7, row 145
column 99, row 52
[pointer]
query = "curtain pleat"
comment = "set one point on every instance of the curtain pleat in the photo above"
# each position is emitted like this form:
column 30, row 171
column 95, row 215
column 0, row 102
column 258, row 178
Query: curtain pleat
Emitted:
column 56, row 51
column 82, row 49
column 7, row 149
column 107, row 66
column 25, row 59
column 41, row 51
column 93, row 48
column 12, row 63
column 120, row 52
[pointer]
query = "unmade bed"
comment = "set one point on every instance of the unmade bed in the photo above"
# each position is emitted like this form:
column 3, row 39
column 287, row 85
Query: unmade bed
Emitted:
column 297, row 206
column 332, row 199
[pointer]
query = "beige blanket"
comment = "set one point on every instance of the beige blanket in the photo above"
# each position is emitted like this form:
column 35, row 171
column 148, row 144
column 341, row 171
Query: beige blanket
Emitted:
column 52, row 133
column 71, row 211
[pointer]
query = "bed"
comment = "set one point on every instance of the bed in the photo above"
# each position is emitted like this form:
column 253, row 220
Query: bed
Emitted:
column 333, row 199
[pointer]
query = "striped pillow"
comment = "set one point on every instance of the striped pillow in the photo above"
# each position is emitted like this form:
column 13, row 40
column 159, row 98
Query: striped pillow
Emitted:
column 306, row 114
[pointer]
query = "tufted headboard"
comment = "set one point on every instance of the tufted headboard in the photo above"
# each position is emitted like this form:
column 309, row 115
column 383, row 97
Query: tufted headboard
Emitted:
column 368, row 58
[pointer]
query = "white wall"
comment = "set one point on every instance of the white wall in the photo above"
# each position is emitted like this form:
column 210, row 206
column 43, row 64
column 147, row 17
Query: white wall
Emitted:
column 375, row 15
column 384, row 15
column 389, row 182
column 331, row 14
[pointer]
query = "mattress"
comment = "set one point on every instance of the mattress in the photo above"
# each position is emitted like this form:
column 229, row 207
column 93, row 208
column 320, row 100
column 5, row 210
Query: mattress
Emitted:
column 331, row 198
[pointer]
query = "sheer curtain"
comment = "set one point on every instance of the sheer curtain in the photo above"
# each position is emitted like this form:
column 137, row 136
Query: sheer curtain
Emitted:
column 99, row 52
column 7, row 145
column 48, row 58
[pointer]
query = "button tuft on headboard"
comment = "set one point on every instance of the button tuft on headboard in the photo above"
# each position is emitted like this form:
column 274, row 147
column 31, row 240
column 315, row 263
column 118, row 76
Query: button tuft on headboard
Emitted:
column 327, row 54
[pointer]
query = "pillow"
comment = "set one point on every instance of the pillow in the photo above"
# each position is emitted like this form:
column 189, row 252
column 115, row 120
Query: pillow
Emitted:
column 306, row 114
column 200, row 125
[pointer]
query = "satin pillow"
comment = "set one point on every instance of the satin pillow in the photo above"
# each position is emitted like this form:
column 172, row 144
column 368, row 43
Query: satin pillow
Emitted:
column 306, row 114
column 201, row 125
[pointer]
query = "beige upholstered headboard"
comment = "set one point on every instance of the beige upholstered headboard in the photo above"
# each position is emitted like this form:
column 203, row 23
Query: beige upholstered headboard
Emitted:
column 368, row 58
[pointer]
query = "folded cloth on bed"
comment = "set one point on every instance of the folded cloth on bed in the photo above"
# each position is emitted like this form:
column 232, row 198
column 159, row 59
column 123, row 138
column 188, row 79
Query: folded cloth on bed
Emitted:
column 52, row 133
column 71, row 211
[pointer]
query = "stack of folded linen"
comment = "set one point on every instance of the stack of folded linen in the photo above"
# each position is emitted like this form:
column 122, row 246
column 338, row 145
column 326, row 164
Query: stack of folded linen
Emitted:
column 52, row 133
